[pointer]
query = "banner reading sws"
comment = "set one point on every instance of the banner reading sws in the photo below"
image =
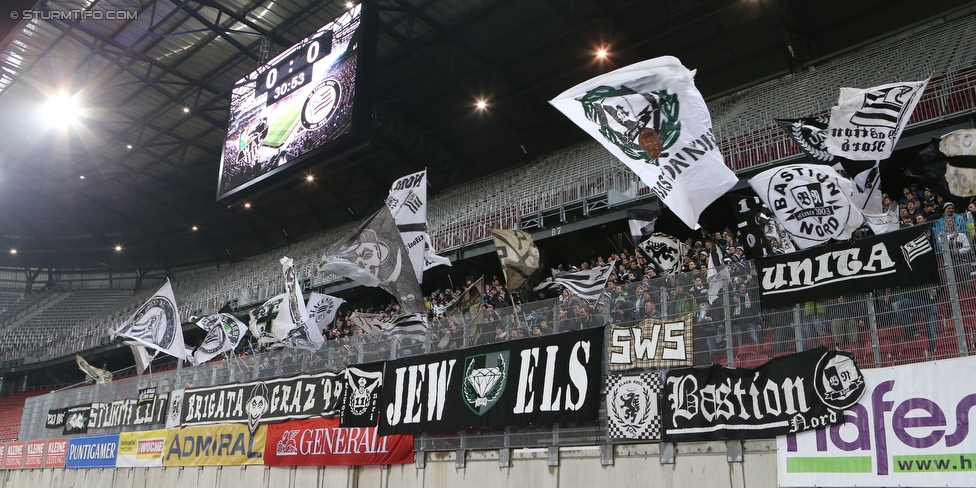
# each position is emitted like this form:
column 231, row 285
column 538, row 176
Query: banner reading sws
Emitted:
column 652, row 343
column 260, row 402
column 214, row 445
column 912, row 427
column 900, row 258
column 791, row 393
column 321, row 442
column 525, row 382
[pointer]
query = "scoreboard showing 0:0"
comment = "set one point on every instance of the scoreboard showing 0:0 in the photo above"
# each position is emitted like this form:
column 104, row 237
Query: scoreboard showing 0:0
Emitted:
column 301, row 100
column 295, row 71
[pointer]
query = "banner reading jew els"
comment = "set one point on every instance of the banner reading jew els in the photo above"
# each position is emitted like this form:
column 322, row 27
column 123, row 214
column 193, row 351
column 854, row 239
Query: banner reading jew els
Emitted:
column 788, row 394
column 534, row 381
column 321, row 442
column 651, row 117
column 912, row 427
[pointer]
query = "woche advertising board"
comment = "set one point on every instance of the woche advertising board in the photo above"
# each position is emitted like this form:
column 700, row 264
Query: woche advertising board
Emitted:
column 911, row 428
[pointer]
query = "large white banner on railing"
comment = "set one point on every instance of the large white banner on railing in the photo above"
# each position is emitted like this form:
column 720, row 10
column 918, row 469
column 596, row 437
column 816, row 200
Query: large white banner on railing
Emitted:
column 911, row 428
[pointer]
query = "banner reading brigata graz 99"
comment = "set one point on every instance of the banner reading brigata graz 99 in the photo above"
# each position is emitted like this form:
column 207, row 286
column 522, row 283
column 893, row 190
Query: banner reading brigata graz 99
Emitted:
column 911, row 428
column 529, row 381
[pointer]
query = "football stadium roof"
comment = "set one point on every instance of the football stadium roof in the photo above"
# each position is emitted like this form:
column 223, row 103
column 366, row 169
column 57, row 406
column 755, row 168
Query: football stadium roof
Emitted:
column 120, row 173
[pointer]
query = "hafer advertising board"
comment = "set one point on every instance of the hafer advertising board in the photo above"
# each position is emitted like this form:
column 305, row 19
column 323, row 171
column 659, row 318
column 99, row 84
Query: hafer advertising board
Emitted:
column 911, row 428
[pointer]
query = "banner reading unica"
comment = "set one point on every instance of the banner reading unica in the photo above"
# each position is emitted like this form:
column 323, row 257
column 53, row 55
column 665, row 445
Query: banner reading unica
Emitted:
column 15, row 455
column 214, row 445
column 56, row 450
column 912, row 427
column 321, row 442
column 141, row 449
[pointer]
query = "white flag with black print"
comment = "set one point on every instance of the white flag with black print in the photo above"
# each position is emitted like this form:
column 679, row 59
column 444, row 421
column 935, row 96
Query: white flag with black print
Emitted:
column 413, row 326
column 156, row 324
column 665, row 251
column 374, row 255
column 322, row 309
column 866, row 123
column 101, row 376
column 408, row 204
column 641, row 223
column 811, row 201
column 517, row 254
column 224, row 333
column 261, row 320
column 290, row 327
column 718, row 272
column 586, row 284
column 651, row 117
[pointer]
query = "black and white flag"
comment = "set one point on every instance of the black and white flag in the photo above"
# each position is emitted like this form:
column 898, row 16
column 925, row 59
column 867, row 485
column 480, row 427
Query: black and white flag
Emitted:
column 413, row 326
column 291, row 326
column 224, row 333
column 651, row 117
column 641, row 223
column 518, row 255
column 408, row 204
column 156, row 325
column 55, row 418
column 374, row 255
column 633, row 407
column 586, row 284
column 260, row 320
column 360, row 403
column 948, row 165
column 718, row 272
column 322, row 309
column 866, row 123
column 811, row 201
column 666, row 251
column 101, row 376
column 76, row 419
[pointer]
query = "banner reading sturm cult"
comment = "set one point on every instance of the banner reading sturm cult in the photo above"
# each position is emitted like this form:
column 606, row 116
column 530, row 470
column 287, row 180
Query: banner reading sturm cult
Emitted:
column 529, row 381
column 904, row 257
column 260, row 402
column 792, row 393
column 912, row 427
column 214, row 445
column 321, row 442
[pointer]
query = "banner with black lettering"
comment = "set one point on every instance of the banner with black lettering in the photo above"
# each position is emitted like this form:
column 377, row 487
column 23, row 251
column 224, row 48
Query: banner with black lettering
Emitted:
column 535, row 381
column 788, row 394
column 260, row 402
column 55, row 418
column 901, row 258
column 634, row 407
column 653, row 343
column 76, row 420
column 360, row 403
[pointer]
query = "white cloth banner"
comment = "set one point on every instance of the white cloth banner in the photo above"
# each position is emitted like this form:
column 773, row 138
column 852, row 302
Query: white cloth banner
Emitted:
column 651, row 117
column 666, row 251
column 224, row 333
column 322, row 309
column 811, row 201
column 408, row 204
column 156, row 324
column 910, row 428
column 866, row 123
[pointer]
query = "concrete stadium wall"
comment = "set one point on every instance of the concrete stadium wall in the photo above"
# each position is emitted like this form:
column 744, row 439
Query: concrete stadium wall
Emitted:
column 695, row 464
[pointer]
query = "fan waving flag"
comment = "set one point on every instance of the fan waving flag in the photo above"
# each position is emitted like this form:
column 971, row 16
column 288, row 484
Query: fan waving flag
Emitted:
column 811, row 201
column 290, row 327
column 651, row 117
column 100, row 376
column 665, row 251
column 261, row 319
column 518, row 255
column 866, row 123
column 587, row 284
column 156, row 324
column 641, row 223
column 322, row 309
column 413, row 326
column 408, row 204
column 224, row 333
column 374, row 255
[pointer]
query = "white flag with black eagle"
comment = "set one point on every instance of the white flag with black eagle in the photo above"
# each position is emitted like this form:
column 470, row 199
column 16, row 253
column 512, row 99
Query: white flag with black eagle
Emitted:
column 224, row 333
column 374, row 255
column 651, row 117
column 866, row 123
column 413, row 326
column 408, row 204
column 811, row 201
column 666, row 251
column 586, row 284
column 156, row 325
column 291, row 326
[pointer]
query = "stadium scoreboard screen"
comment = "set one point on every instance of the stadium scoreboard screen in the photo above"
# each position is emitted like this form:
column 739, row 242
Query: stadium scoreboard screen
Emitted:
column 301, row 103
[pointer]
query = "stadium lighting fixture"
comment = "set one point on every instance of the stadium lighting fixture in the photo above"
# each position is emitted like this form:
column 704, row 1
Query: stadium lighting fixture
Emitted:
column 601, row 53
column 13, row 251
column 186, row 110
column 247, row 204
column 81, row 177
column 61, row 110
column 195, row 228
column 482, row 104
column 118, row 247
column 309, row 178
column 128, row 146
column 350, row 5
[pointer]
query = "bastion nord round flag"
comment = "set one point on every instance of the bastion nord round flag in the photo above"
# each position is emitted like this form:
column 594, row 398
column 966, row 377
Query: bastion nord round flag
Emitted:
column 651, row 117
